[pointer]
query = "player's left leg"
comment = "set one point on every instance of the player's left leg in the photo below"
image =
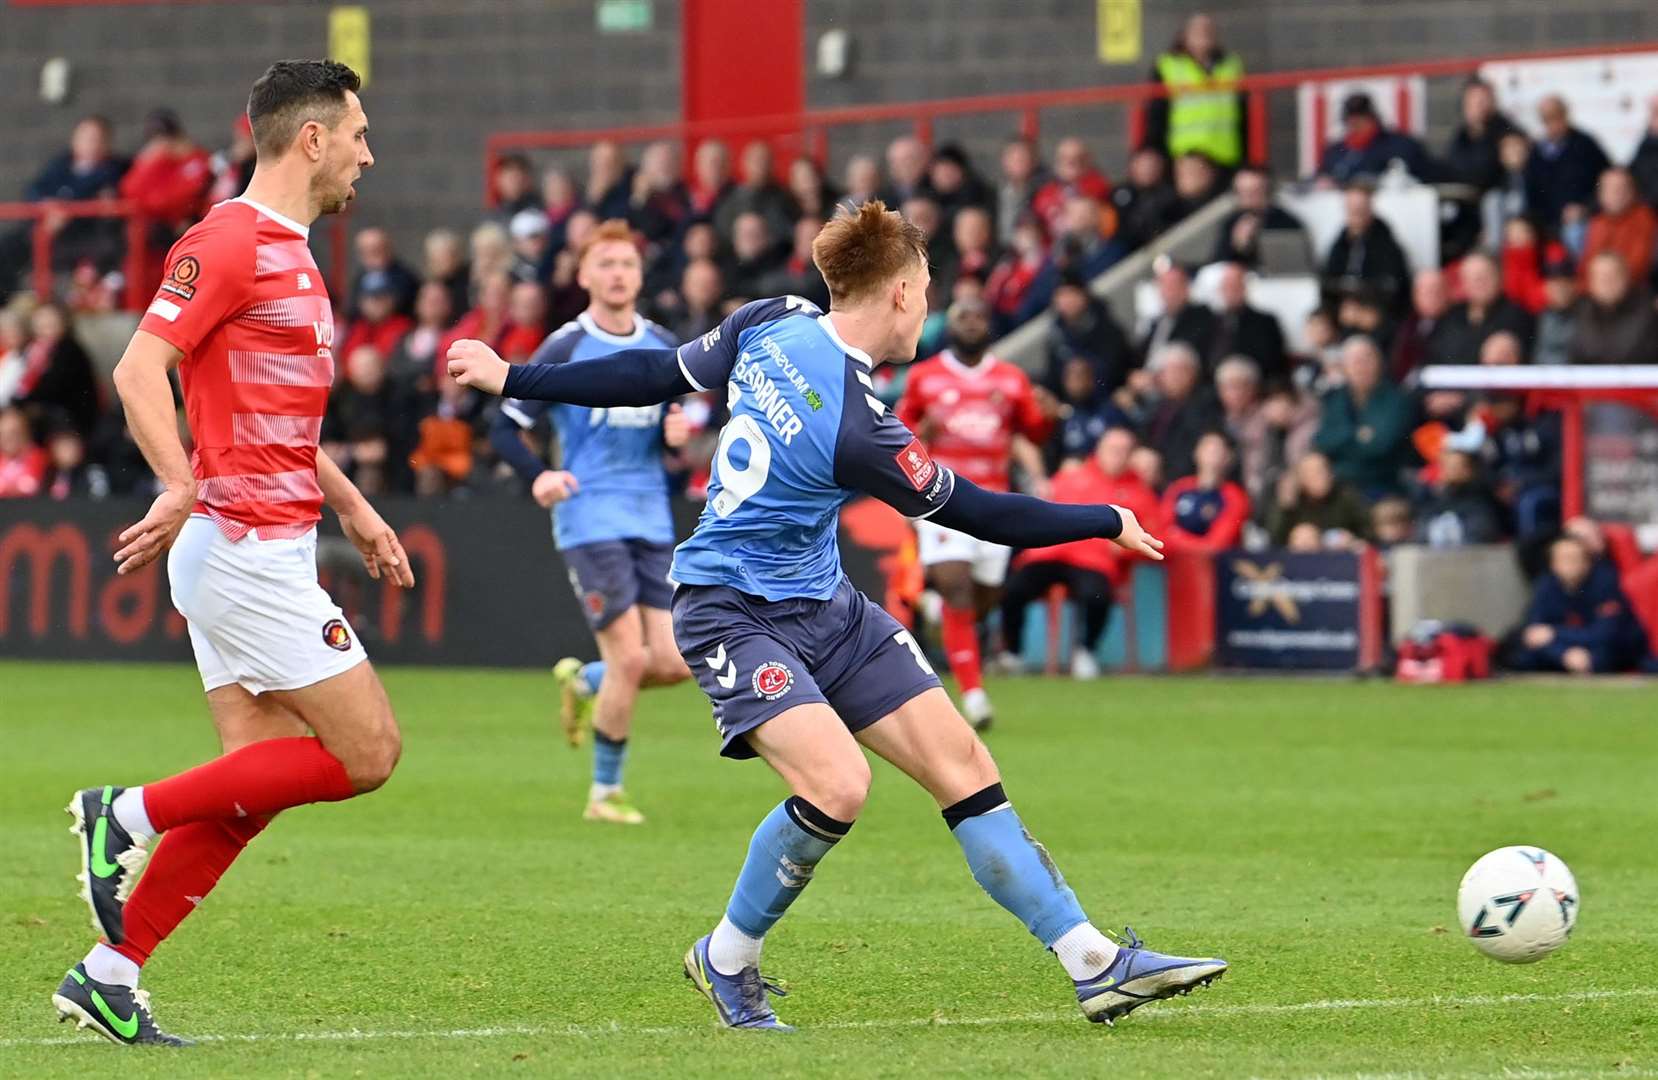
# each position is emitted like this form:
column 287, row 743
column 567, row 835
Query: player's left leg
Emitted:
column 953, row 582
column 622, row 650
column 928, row 740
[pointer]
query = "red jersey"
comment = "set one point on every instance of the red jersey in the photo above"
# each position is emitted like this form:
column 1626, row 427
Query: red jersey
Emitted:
column 967, row 416
column 1086, row 482
column 245, row 303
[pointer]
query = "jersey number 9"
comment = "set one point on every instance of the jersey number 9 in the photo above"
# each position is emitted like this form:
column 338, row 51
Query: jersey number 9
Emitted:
column 739, row 483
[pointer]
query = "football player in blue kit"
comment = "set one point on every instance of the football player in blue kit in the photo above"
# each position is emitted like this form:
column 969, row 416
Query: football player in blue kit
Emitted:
column 802, row 668
column 611, row 520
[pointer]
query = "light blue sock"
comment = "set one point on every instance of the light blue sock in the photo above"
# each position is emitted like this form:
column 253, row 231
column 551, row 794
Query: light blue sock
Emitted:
column 592, row 674
column 608, row 757
column 1011, row 866
column 781, row 857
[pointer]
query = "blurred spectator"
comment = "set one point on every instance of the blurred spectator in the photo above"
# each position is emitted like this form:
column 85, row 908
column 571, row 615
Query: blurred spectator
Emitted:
column 1205, row 512
column 1625, row 225
column 168, row 182
column 57, row 375
column 1145, row 203
column 232, row 167
column 1458, row 508
column 1176, row 409
column 1522, row 454
column 491, row 252
column 1472, row 157
column 1523, row 257
column 1313, row 511
column 1011, row 278
column 753, row 255
column 863, row 180
column 530, row 234
column 1074, row 174
column 700, row 290
column 413, row 363
column 1484, row 311
column 1561, row 173
column 1502, row 349
column 1244, row 330
column 1579, row 619
column 559, row 199
column 378, row 324
column 1085, row 414
column 445, row 263
column 1147, row 464
column 1365, row 251
column 711, row 179
column 1323, row 356
column 1366, row 148
column 798, row 275
column 526, row 322
column 375, row 255
column 87, row 170
column 1421, row 336
column 1557, row 321
column 1364, row 425
column 1083, row 328
column 1615, row 323
column 952, row 182
column 757, row 193
column 1182, row 318
column 609, row 186
column 1269, row 430
column 22, row 463
column 658, row 201
column 487, row 321
column 1391, row 523
column 1196, row 183
column 973, row 239
column 813, row 195
column 1082, row 248
column 69, row 475
column 1362, row 311
column 1087, row 569
column 14, row 361
column 565, row 296
column 513, row 185
column 1239, row 238
column 442, row 458
column 362, row 429
column 1644, row 165
column 1202, row 113
column 1508, row 199
column 906, row 170
column 1021, row 177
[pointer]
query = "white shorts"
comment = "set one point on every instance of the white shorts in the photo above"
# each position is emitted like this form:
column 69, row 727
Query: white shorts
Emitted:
column 257, row 615
column 940, row 545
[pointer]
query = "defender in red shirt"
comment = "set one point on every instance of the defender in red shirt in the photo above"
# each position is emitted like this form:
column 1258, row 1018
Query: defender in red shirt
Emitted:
column 244, row 316
column 975, row 414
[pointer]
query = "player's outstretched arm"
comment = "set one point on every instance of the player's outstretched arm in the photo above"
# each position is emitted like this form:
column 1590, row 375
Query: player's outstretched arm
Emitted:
column 147, row 397
column 368, row 532
column 629, row 377
column 1022, row 521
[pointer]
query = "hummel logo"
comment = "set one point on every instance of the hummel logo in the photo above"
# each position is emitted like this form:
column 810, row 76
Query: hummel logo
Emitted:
column 304, row 281
column 728, row 678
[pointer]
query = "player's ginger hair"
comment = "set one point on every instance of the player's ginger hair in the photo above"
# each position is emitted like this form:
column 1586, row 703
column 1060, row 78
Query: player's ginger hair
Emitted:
column 614, row 231
column 861, row 250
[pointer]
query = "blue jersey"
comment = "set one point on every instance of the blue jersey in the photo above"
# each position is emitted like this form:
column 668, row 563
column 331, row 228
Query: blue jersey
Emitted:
column 806, row 433
column 615, row 454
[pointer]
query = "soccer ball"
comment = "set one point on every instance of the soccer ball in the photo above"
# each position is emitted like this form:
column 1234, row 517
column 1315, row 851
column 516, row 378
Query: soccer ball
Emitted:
column 1517, row 904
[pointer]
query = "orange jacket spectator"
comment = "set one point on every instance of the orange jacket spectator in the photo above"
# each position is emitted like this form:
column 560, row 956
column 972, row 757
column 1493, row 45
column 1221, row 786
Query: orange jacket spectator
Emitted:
column 1625, row 225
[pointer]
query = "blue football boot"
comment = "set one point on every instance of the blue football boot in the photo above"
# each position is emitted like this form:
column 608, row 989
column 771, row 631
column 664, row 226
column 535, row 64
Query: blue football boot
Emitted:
column 1139, row 975
column 741, row 1000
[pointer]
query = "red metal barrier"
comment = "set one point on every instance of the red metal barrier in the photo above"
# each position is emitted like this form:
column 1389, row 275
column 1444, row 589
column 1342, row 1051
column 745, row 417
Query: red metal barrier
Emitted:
column 813, row 125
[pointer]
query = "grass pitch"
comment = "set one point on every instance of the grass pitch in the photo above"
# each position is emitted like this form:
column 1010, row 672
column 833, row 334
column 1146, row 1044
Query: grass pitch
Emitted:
column 465, row 921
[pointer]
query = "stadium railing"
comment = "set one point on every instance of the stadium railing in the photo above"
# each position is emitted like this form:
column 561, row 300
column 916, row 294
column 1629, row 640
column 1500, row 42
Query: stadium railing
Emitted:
column 810, row 129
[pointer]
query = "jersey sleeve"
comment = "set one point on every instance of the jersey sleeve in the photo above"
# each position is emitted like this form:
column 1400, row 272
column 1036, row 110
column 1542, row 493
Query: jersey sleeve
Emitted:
column 879, row 456
column 209, row 280
column 555, row 349
column 707, row 361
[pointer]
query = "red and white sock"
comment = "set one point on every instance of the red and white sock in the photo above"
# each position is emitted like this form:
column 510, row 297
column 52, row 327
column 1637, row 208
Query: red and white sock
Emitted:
column 961, row 645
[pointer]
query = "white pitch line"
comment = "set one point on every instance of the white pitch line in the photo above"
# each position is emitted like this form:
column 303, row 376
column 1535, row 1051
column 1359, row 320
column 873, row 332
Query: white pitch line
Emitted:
column 579, row 1031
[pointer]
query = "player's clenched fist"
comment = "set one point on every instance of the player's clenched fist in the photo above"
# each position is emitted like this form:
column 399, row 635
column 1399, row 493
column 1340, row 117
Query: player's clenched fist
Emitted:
column 554, row 486
column 676, row 428
column 474, row 364
column 1134, row 536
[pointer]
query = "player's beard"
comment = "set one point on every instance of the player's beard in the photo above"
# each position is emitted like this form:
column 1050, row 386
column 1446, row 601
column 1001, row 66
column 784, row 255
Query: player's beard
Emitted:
column 331, row 198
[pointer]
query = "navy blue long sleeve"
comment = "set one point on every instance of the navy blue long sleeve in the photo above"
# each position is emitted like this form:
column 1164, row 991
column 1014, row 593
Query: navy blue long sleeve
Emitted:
column 503, row 436
column 1023, row 521
column 628, row 377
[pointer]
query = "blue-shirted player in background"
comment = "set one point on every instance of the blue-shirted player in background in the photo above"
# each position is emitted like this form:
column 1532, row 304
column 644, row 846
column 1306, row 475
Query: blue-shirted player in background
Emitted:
column 800, row 666
column 611, row 520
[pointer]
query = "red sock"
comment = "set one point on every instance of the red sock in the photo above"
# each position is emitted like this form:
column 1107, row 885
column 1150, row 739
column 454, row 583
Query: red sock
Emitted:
column 259, row 779
column 961, row 645
column 187, row 863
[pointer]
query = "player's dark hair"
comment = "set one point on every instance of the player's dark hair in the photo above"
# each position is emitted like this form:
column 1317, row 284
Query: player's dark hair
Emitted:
column 293, row 92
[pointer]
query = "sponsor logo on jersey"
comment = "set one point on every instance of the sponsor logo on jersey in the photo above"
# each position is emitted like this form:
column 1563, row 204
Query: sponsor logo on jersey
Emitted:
column 813, row 399
column 181, row 280
column 772, row 680
column 710, row 339
column 767, row 398
column 916, row 465
column 336, row 636
column 304, row 281
column 790, row 372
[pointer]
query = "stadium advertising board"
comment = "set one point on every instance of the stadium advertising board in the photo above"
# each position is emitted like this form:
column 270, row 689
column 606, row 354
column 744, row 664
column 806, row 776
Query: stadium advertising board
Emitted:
column 1307, row 611
column 490, row 588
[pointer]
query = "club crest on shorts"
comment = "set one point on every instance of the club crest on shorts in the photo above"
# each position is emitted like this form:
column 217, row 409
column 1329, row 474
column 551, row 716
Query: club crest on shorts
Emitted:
column 772, row 680
column 336, row 636
column 594, row 600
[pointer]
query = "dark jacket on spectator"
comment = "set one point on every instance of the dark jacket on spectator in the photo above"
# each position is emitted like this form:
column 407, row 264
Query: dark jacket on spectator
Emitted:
column 1273, row 218
column 66, row 387
column 1644, row 166
column 1472, row 159
column 1340, row 509
column 1626, row 333
column 1081, row 426
column 1369, row 445
column 1559, row 176
column 1253, row 333
column 1173, row 429
column 1596, row 617
column 61, row 180
column 1095, row 336
column 1454, row 515
column 1374, row 257
column 1417, row 343
column 1194, row 324
column 1343, row 161
column 1458, row 338
column 1143, row 213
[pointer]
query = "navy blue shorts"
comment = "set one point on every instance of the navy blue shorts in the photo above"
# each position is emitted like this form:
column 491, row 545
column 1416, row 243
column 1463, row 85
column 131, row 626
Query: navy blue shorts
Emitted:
column 611, row 576
column 756, row 658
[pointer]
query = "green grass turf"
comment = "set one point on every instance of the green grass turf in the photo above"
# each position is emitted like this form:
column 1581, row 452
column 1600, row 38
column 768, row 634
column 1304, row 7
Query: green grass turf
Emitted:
column 1311, row 832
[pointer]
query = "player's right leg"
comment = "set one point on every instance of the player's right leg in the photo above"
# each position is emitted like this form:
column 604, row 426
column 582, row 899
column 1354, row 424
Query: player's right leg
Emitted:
column 1026, row 585
column 947, row 556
